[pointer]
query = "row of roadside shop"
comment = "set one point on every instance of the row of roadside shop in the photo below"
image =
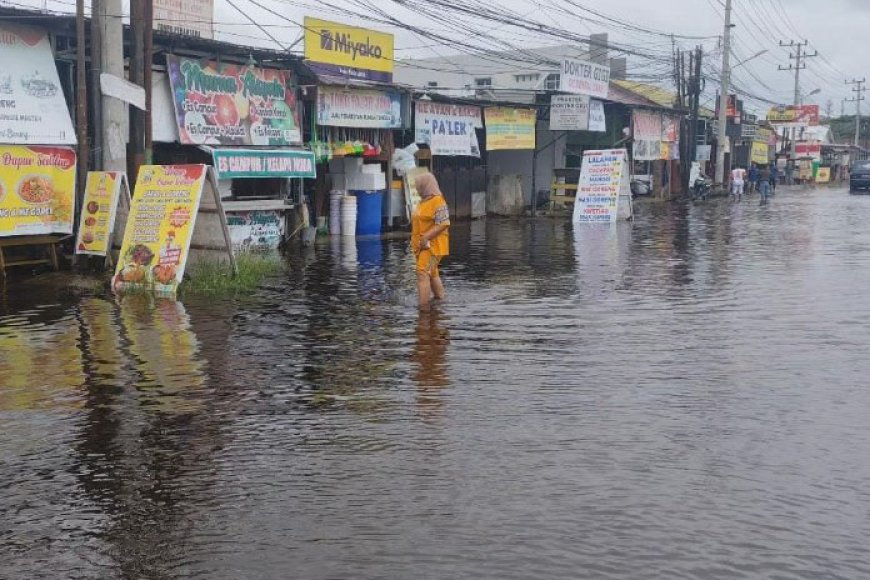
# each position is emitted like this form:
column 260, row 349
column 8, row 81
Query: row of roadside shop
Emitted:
column 280, row 131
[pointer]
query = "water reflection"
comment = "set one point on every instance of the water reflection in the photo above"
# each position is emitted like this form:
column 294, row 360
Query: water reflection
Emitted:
column 430, row 362
column 694, row 374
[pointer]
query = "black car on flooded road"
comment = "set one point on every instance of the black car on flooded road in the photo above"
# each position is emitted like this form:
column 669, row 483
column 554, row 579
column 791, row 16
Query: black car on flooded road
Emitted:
column 859, row 176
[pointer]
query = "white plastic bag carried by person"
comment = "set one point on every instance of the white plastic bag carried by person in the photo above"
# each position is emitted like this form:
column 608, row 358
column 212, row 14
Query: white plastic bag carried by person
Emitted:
column 403, row 159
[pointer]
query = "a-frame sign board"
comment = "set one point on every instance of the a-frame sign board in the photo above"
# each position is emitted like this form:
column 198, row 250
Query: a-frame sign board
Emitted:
column 176, row 218
column 104, row 214
column 604, row 191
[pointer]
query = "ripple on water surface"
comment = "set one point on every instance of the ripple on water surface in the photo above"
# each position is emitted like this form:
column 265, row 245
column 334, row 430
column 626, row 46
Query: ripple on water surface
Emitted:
column 680, row 398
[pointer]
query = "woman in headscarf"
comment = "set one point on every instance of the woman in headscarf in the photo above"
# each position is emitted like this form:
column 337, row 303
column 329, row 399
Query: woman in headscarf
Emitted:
column 430, row 240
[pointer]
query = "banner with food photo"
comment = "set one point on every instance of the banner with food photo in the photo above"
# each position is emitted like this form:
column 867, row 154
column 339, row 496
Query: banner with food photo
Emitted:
column 37, row 190
column 97, row 220
column 160, row 226
column 232, row 104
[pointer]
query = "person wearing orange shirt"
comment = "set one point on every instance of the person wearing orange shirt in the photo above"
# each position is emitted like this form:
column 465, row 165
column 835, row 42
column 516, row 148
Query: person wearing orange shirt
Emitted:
column 430, row 240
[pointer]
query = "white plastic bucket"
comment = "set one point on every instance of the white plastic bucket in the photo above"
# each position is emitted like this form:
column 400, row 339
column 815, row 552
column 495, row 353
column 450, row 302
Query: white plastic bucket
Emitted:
column 348, row 216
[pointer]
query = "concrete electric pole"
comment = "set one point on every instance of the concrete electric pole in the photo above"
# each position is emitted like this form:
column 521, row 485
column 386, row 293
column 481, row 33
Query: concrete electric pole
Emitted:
column 799, row 57
column 114, row 112
column 722, row 137
column 859, row 91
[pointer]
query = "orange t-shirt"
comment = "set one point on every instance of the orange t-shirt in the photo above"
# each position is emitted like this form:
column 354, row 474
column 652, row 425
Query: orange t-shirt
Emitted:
column 432, row 212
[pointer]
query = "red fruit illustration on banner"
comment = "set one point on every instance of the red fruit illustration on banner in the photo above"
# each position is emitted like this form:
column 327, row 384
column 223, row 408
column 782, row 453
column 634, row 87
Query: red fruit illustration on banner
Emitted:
column 226, row 115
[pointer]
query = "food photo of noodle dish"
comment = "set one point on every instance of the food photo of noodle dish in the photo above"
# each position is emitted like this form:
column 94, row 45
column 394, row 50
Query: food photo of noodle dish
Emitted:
column 36, row 189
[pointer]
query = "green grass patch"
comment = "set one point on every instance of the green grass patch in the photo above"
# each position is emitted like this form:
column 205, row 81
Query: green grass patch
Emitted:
column 216, row 279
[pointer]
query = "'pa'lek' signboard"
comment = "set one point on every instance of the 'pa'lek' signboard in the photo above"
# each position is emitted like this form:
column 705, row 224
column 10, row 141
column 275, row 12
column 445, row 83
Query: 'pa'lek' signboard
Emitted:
column 603, row 194
column 448, row 129
column 581, row 77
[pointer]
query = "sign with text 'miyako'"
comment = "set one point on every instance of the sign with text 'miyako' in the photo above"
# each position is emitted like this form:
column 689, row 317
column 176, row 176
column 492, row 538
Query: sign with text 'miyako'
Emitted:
column 170, row 219
column 603, row 193
column 337, row 49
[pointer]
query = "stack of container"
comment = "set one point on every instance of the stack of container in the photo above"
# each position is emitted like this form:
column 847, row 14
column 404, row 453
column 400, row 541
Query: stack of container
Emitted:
column 367, row 182
column 335, row 212
column 348, row 215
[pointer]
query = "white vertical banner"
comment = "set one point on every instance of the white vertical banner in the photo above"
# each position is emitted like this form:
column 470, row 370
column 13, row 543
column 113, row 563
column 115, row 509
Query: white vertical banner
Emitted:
column 597, row 121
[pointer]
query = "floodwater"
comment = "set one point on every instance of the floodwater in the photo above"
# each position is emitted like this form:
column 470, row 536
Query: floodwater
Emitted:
column 686, row 397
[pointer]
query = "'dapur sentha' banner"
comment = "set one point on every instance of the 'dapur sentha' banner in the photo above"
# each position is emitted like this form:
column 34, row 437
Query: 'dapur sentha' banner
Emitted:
column 37, row 190
column 229, row 104
column 159, row 229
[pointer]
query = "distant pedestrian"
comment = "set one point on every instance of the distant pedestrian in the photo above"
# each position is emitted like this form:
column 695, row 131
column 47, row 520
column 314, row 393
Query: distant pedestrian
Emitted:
column 774, row 177
column 738, row 180
column 753, row 178
column 430, row 240
column 789, row 173
column 764, row 183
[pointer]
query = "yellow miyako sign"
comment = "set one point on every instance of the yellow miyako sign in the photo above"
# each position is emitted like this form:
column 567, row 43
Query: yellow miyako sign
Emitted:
column 334, row 48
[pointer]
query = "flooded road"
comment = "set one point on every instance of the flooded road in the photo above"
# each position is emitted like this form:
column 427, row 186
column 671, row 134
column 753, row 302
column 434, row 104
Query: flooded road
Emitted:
column 681, row 398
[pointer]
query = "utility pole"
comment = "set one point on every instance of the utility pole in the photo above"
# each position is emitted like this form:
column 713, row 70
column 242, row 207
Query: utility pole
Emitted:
column 95, row 95
column 723, row 97
column 137, row 76
column 859, row 91
column 696, row 104
column 81, row 100
column 799, row 57
column 146, row 78
column 112, row 52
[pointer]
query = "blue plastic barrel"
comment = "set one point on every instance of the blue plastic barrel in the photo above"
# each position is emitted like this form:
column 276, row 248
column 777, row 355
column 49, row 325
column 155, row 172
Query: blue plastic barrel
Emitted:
column 369, row 212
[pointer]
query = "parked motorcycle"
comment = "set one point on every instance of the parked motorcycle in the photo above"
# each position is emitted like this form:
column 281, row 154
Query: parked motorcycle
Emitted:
column 701, row 188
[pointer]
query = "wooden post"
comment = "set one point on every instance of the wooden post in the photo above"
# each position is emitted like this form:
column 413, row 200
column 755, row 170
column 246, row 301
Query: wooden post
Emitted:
column 81, row 101
column 148, row 33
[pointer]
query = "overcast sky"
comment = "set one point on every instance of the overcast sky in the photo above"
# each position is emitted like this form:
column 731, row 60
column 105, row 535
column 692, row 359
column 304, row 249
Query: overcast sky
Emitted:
column 836, row 28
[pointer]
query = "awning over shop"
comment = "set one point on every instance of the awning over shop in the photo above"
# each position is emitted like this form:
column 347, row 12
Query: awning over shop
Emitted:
column 235, row 163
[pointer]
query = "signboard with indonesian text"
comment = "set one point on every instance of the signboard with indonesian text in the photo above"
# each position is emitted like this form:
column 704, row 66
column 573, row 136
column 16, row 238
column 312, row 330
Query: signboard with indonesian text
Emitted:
column 33, row 110
column 161, row 223
column 230, row 104
column 603, row 181
column 185, row 17
column 510, row 129
column 448, row 129
column 348, row 51
column 794, row 116
column 581, row 77
column 569, row 113
column 248, row 163
column 363, row 108
column 37, row 190
column 100, row 205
